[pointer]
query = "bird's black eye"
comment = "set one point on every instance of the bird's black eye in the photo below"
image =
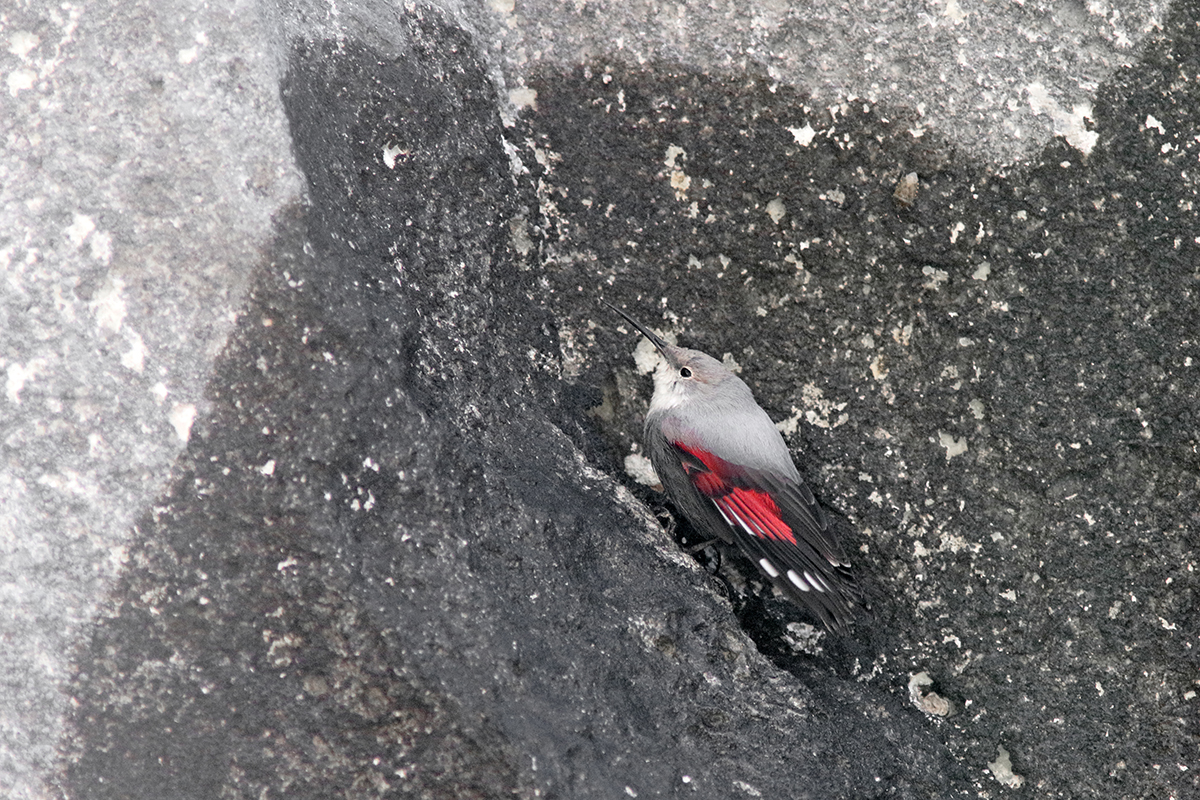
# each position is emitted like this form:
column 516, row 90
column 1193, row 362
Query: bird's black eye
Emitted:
column 684, row 372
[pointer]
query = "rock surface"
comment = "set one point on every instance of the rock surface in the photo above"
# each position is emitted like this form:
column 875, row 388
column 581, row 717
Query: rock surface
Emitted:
column 314, row 427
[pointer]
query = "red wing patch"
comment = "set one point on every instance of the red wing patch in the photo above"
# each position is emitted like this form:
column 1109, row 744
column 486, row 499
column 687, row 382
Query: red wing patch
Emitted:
column 777, row 524
column 753, row 510
column 709, row 483
column 757, row 513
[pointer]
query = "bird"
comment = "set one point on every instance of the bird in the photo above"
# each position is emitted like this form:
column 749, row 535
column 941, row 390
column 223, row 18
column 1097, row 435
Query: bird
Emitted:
column 726, row 468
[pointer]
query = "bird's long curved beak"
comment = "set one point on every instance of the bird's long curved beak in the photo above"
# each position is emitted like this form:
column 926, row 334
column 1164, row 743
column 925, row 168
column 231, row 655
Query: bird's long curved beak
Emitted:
column 654, row 338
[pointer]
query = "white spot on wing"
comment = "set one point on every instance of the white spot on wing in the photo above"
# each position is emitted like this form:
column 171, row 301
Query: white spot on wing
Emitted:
column 798, row 581
column 768, row 568
column 816, row 582
column 744, row 525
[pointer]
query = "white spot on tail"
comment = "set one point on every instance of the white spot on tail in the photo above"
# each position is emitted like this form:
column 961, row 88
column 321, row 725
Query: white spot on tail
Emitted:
column 798, row 581
column 768, row 568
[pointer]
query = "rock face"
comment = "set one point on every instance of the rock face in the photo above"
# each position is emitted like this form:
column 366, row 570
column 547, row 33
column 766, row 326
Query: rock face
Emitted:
column 397, row 555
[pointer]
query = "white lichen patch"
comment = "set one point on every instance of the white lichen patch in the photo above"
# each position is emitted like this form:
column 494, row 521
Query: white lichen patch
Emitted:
column 646, row 355
column 1002, row 770
column 954, row 447
column 17, row 375
column 776, row 210
column 638, row 467
column 820, row 411
column 20, row 43
column 391, row 153
column 109, row 306
column 20, row 80
column 1071, row 125
column 181, row 417
column 134, row 358
column 803, row 136
column 572, row 353
column 680, row 182
column 929, row 702
column 907, row 189
column 804, row 638
column 523, row 97
column 953, row 12
column 936, row 277
column 80, row 228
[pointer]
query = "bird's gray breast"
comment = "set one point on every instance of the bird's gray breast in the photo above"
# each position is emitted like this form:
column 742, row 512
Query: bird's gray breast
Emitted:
column 733, row 427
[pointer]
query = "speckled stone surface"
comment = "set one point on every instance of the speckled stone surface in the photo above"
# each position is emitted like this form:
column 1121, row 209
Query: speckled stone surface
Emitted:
column 314, row 430
column 144, row 154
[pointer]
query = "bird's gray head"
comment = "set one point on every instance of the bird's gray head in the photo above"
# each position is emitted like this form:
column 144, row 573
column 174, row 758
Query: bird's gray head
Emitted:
column 684, row 374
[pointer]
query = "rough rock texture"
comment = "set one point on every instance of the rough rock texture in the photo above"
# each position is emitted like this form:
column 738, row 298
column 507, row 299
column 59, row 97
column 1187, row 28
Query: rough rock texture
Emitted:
column 996, row 79
column 398, row 554
column 144, row 154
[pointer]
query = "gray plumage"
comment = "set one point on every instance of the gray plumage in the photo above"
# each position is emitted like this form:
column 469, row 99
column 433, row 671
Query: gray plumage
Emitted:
column 726, row 467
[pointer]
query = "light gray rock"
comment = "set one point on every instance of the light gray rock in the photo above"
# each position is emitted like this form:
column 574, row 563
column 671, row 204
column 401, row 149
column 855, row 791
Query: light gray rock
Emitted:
column 145, row 152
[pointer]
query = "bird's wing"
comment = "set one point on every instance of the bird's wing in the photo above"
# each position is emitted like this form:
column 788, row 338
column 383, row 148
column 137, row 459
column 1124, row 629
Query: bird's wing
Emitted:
column 777, row 523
